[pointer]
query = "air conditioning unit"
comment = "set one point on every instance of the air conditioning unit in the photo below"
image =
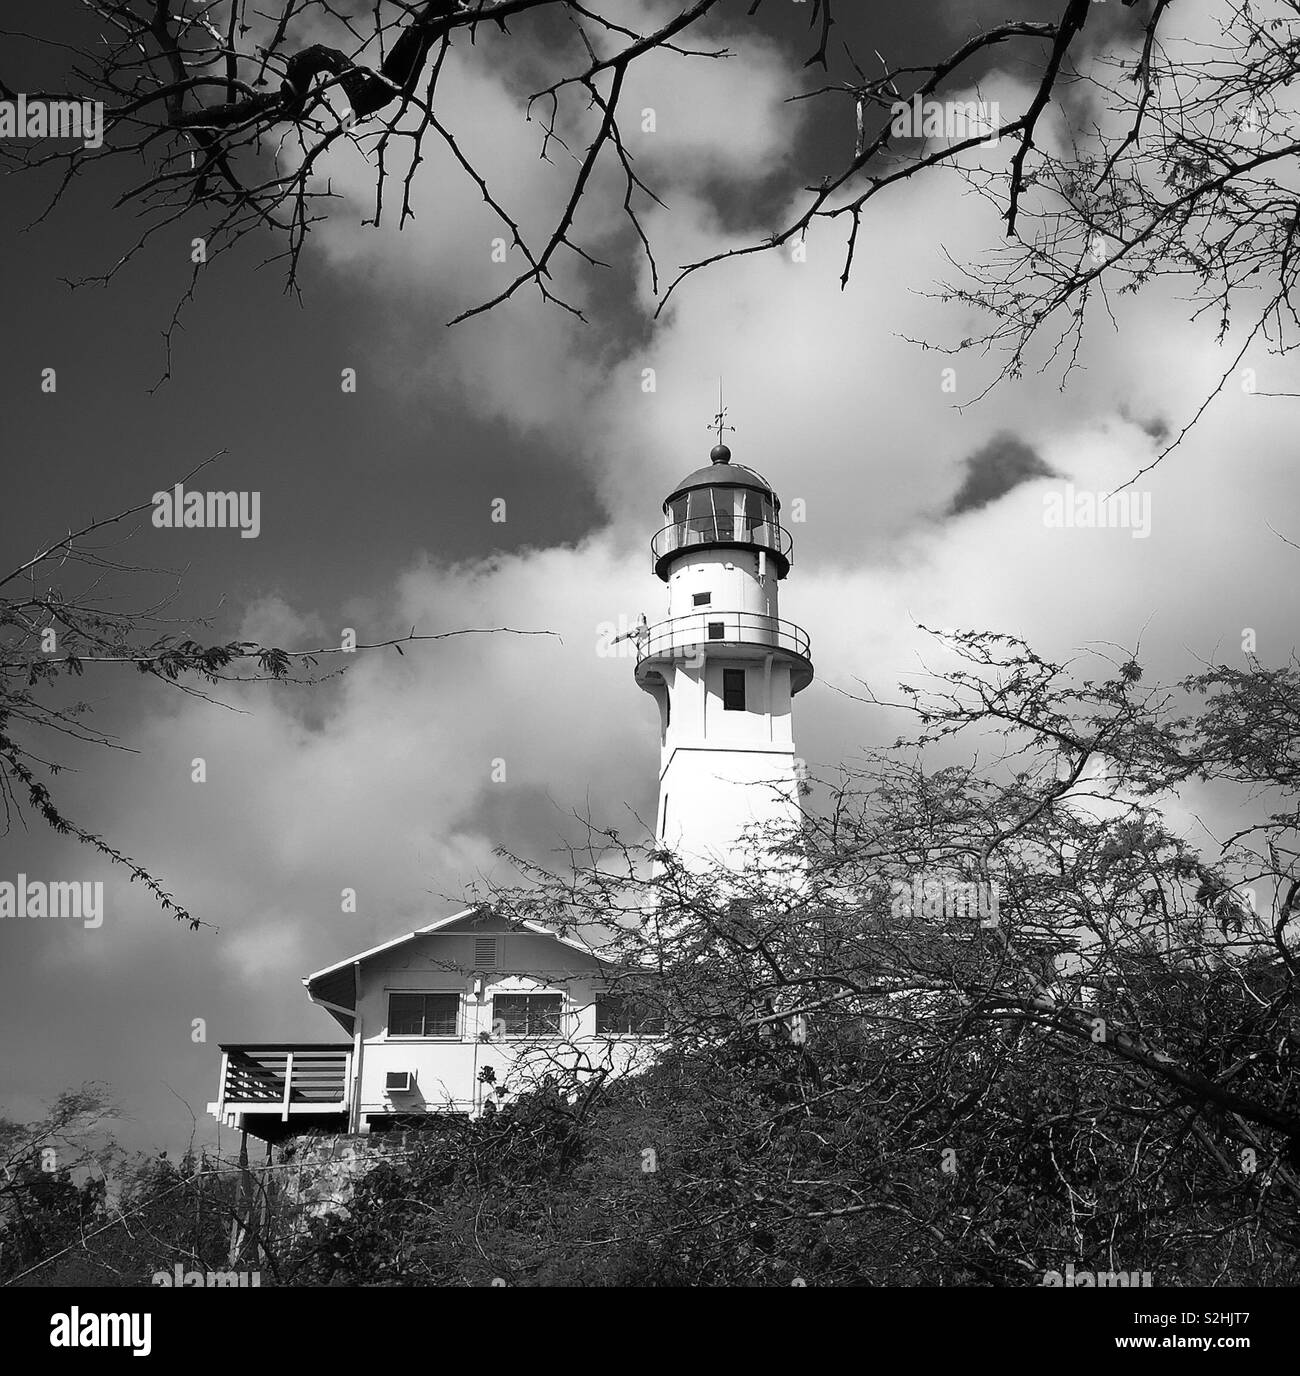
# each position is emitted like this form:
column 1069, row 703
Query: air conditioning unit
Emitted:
column 399, row 1081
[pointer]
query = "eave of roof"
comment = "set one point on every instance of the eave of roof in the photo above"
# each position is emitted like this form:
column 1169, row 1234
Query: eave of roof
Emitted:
column 535, row 927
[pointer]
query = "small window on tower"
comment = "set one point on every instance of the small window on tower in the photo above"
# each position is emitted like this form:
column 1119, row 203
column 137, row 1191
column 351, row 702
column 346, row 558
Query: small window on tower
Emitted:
column 717, row 630
column 703, row 599
column 733, row 690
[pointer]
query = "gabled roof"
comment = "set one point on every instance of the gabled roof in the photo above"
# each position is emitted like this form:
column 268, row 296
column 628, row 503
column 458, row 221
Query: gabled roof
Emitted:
column 334, row 987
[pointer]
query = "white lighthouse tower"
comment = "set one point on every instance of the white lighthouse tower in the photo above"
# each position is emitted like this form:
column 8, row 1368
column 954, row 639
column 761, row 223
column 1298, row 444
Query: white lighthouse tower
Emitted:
column 723, row 666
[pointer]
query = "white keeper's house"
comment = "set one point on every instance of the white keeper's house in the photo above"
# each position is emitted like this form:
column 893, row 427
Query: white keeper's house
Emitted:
column 457, row 1015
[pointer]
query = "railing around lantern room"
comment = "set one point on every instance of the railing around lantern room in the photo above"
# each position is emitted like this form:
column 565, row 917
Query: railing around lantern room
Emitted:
column 721, row 529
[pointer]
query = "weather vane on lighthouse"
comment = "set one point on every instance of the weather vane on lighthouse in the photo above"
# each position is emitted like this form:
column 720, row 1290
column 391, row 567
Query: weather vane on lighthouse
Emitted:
column 719, row 421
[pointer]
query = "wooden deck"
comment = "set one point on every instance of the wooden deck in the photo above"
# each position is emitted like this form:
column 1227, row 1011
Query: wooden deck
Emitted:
column 301, row 1079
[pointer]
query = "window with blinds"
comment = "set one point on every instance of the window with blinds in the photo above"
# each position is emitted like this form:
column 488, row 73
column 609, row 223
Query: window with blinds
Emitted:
column 527, row 1015
column 423, row 1015
column 624, row 1015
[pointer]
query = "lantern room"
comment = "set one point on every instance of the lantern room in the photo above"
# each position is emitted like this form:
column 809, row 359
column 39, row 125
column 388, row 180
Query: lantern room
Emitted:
column 725, row 504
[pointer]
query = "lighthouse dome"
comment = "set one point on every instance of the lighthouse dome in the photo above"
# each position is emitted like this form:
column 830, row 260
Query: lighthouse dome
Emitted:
column 721, row 472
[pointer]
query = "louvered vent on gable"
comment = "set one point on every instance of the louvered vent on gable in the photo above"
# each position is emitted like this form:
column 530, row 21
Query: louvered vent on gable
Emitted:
column 485, row 953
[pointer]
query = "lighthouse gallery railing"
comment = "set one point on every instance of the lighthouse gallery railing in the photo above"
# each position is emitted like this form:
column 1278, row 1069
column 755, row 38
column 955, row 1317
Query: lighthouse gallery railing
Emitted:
column 721, row 530
column 720, row 627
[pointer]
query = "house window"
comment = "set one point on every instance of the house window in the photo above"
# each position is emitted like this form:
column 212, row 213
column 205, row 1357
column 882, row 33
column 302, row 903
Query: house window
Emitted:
column 623, row 1015
column 702, row 599
column 485, row 952
column 423, row 1015
column 717, row 630
column 733, row 690
column 527, row 1015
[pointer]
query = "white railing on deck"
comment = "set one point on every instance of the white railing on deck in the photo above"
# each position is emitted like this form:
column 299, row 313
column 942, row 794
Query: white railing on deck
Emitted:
column 290, row 1079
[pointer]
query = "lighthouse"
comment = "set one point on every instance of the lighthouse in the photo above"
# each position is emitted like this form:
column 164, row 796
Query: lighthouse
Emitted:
column 723, row 667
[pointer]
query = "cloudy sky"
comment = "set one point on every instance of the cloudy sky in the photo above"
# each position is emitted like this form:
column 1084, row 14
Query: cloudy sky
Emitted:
column 922, row 506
